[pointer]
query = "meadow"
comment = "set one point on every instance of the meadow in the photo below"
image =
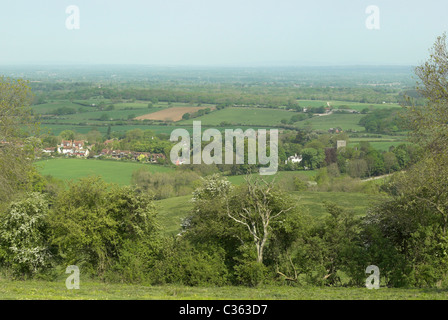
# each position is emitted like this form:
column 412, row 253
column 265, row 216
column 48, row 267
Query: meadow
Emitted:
column 93, row 290
column 382, row 143
column 358, row 106
column 111, row 171
column 325, row 122
column 173, row 210
column 243, row 116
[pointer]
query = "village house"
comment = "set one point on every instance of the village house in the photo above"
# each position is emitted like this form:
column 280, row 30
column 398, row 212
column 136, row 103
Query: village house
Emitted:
column 73, row 148
column 132, row 155
column 48, row 150
column 294, row 159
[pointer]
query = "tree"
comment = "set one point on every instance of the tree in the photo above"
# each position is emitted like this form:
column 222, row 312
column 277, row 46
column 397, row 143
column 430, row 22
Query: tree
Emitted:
column 67, row 135
column 15, row 117
column 390, row 162
column 104, row 117
column 429, row 122
column 338, row 233
column 257, row 210
column 93, row 223
column 413, row 223
column 109, row 131
column 312, row 158
column 412, row 226
column 94, row 136
column 357, row 168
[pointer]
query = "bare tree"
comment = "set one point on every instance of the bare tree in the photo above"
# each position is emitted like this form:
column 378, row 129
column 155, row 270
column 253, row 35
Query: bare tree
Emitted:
column 257, row 211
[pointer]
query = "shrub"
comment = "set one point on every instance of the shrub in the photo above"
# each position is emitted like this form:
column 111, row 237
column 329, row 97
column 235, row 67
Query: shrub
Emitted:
column 92, row 221
column 248, row 271
column 24, row 236
column 181, row 263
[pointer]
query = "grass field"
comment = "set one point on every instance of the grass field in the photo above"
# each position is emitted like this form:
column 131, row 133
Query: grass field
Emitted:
column 243, row 116
column 347, row 104
column 56, row 129
column 112, row 171
column 237, row 180
column 173, row 210
column 381, row 144
column 345, row 121
column 89, row 290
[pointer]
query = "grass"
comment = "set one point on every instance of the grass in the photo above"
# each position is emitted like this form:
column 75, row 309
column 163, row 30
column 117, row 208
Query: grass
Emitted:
column 237, row 180
column 173, row 210
column 313, row 201
column 91, row 290
column 56, row 129
column 112, row 171
column 358, row 106
column 380, row 145
column 243, row 116
column 345, row 121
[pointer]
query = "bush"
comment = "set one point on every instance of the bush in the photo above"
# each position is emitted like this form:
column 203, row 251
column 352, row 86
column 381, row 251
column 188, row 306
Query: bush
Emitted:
column 181, row 263
column 92, row 221
column 24, row 236
column 248, row 271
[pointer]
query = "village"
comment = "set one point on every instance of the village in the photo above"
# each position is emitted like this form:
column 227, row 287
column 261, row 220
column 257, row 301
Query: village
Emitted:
column 81, row 149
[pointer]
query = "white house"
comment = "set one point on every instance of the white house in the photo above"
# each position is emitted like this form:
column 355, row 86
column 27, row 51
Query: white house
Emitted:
column 294, row 159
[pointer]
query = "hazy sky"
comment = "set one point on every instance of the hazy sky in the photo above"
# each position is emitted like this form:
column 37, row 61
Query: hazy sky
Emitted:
column 220, row 33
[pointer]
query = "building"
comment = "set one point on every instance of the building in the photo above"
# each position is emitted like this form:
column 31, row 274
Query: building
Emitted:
column 73, row 148
column 294, row 159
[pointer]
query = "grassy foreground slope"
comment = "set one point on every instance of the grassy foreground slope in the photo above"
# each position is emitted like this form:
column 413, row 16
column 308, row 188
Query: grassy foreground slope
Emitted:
column 56, row 290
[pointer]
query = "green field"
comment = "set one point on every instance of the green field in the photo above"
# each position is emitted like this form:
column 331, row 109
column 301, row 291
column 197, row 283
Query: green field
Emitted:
column 358, row 106
column 56, row 290
column 345, row 121
column 173, row 210
column 56, row 129
column 237, row 180
column 119, row 172
column 90, row 114
column 380, row 145
column 243, row 116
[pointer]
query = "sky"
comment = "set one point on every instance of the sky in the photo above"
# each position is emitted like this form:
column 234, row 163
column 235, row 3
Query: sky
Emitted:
column 220, row 33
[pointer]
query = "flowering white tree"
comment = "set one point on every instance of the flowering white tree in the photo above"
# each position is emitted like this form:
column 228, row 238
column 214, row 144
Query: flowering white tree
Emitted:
column 23, row 235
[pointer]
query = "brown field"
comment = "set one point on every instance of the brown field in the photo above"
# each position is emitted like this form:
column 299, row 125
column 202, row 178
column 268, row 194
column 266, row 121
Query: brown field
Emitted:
column 173, row 114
